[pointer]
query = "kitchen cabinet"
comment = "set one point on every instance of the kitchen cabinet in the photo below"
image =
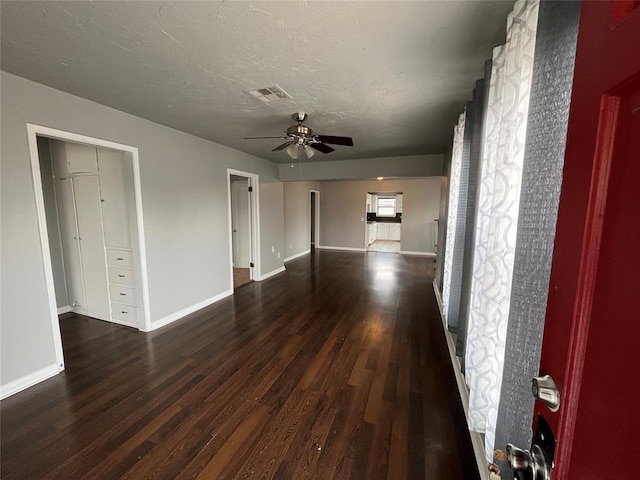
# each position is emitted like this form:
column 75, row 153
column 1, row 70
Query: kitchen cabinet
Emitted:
column 372, row 233
column 394, row 231
column 383, row 231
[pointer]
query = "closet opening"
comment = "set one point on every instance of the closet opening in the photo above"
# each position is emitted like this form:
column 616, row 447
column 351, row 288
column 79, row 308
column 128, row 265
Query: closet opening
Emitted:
column 90, row 217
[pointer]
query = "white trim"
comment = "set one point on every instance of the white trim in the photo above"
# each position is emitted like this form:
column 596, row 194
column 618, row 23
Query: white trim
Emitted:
column 422, row 254
column 28, row 380
column 46, row 253
column 254, row 202
column 65, row 309
column 476, row 438
column 297, row 255
column 120, row 322
column 347, row 249
column 317, row 226
column 189, row 310
column 32, row 132
column 272, row 273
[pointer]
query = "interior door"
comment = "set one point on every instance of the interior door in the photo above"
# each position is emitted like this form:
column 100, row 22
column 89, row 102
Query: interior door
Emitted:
column 88, row 201
column 69, row 238
column 241, row 223
column 592, row 327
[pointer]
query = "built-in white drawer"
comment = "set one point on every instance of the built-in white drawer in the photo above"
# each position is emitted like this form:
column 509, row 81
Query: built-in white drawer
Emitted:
column 125, row 313
column 119, row 258
column 123, row 294
column 121, row 276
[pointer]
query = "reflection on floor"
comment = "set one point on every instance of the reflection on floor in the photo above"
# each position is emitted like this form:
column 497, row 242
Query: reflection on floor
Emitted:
column 240, row 277
column 392, row 246
column 336, row 368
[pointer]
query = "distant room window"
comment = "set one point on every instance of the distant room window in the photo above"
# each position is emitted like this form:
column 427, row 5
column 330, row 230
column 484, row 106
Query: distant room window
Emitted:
column 386, row 207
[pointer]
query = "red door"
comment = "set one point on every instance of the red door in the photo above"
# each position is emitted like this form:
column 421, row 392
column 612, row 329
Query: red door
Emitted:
column 591, row 343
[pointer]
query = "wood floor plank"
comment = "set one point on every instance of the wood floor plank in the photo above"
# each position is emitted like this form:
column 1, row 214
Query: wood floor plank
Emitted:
column 337, row 368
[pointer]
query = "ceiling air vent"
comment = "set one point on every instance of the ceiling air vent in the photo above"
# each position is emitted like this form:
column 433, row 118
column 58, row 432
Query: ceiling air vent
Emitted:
column 268, row 94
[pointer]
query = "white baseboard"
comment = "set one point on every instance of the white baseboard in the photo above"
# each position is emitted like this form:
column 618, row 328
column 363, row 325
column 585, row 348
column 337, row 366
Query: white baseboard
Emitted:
column 476, row 439
column 28, row 380
column 297, row 255
column 65, row 309
column 272, row 273
column 422, row 254
column 186, row 311
column 124, row 324
column 347, row 249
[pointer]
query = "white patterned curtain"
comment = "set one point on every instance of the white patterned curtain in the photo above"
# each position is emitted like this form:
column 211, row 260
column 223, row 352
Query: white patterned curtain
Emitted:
column 497, row 218
column 454, row 192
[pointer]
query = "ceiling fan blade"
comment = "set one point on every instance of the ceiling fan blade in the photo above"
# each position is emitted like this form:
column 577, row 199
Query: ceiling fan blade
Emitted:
column 346, row 141
column 321, row 147
column 282, row 147
column 258, row 138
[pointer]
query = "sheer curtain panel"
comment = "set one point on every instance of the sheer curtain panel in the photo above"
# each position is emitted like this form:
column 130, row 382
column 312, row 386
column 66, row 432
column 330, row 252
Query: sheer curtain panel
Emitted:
column 497, row 218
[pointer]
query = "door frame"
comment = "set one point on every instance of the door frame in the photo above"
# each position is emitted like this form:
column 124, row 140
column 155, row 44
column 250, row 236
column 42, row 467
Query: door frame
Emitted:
column 239, row 188
column 317, row 219
column 254, row 214
column 33, row 131
column 591, row 151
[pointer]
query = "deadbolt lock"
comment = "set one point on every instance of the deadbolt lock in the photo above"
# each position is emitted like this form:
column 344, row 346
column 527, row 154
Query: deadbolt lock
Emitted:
column 544, row 389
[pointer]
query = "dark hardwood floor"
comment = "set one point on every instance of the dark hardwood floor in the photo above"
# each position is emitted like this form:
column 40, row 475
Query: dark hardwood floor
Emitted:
column 241, row 276
column 335, row 369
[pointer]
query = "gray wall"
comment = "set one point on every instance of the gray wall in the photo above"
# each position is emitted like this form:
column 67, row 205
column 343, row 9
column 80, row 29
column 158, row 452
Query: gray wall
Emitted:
column 297, row 222
column 271, row 226
column 343, row 205
column 184, row 196
column 406, row 166
column 53, row 225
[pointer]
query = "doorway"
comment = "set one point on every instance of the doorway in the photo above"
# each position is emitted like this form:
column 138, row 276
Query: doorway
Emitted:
column 383, row 232
column 92, row 281
column 314, row 219
column 242, row 189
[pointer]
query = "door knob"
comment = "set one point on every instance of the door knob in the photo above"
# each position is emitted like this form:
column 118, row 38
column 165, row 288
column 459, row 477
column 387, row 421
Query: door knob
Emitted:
column 545, row 389
column 518, row 459
column 534, row 462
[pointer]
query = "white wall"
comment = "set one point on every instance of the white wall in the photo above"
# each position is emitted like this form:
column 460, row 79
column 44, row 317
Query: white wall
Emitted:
column 343, row 204
column 326, row 169
column 297, row 221
column 271, row 227
column 184, row 197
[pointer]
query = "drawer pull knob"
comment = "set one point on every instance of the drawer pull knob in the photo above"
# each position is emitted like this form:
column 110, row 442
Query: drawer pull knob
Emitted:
column 121, row 276
column 120, row 258
column 123, row 294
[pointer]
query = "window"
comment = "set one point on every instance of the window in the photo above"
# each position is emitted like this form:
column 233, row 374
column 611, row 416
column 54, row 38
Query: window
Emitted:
column 386, row 207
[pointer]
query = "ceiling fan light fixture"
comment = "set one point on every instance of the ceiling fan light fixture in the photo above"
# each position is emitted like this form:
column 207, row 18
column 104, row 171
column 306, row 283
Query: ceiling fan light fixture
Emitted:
column 292, row 151
column 309, row 152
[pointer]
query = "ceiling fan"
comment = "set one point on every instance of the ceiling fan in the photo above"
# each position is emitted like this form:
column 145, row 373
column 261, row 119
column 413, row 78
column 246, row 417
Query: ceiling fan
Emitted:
column 301, row 138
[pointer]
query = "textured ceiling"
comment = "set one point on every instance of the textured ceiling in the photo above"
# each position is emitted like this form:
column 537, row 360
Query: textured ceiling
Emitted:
column 392, row 75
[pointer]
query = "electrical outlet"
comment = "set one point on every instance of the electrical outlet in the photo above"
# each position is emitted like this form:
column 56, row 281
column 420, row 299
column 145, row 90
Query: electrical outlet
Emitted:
column 273, row 249
column 290, row 247
column 278, row 254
